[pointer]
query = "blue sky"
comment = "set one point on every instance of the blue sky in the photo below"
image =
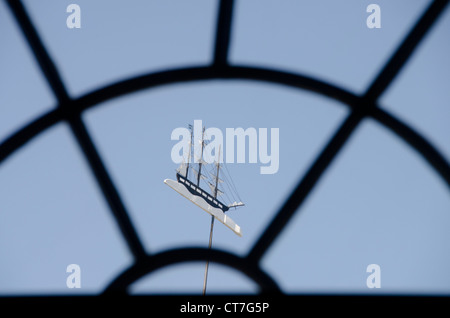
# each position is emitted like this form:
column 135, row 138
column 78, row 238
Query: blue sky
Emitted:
column 378, row 202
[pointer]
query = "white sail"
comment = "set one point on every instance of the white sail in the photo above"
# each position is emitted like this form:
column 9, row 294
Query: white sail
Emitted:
column 198, row 159
column 201, row 174
column 216, row 178
column 182, row 169
column 213, row 188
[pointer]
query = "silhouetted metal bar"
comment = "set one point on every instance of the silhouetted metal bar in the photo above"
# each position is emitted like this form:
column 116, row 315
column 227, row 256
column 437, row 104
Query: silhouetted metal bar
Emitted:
column 109, row 190
column 78, row 128
column 151, row 263
column 154, row 80
column 42, row 57
column 416, row 141
column 304, row 187
column 27, row 132
column 404, row 51
column 360, row 110
column 106, row 185
column 223, row 31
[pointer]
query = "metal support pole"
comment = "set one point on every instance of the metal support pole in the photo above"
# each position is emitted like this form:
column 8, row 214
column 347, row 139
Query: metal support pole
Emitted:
column 207, row 261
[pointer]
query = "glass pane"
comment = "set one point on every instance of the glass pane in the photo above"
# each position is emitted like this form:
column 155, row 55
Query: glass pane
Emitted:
column 379, row 203
column 53, row 215
column 327, row 39
column 24, row 94
column 120, row 38
column 420, row 93
column 134, row 136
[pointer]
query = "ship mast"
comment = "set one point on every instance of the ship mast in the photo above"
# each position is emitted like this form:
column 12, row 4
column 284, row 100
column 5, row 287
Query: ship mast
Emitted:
column 217, row 176
column 201, row 158
column 189, row 155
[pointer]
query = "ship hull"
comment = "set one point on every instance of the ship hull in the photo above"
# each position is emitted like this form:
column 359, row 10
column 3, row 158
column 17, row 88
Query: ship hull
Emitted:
column 196, row 190
column 197, row 196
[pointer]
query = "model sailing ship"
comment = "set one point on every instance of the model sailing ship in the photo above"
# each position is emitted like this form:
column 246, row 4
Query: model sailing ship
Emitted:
column 191, row 181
